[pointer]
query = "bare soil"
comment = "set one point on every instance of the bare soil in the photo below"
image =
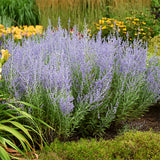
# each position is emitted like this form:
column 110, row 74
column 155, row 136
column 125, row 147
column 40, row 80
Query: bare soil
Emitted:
column 149, row 121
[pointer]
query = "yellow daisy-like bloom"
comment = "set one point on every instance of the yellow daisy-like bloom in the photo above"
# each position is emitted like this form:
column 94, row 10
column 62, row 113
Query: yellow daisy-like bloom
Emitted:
column 124, row 29
column 89, row 30
column 112, row 25
column 144, row 33
column 104, row 18
column 101, row 21
column 104, row 27
column 121, row 23
column 5, row 56
column 144, row 23
column 142, row 29
column 136, row 20
column 122, row 26
column 139, row 32
column 135, row 34
column 1, row 34
column 108, row 22
column 124, row 32
column 128, row 18
column 98, row 28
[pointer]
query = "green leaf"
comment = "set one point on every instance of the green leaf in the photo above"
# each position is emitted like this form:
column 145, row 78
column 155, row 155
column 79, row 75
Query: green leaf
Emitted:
column 20, row 126
column 18, row 135
column 3, row 154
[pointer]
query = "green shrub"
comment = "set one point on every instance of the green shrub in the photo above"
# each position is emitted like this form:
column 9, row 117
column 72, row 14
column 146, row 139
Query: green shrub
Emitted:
column 154, row 45
column 137, row 24
column 132, row 145
column 20, row 12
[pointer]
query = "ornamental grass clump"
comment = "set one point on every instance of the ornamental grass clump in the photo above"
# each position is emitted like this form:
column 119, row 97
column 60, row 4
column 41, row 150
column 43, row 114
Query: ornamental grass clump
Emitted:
column 15, row 129
column 19, row 12
column 82, row 85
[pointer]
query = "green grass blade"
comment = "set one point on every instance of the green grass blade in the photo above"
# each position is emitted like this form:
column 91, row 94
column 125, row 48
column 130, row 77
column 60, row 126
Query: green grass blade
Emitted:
column 20, row 126
column 18, row 135
column 3, row 154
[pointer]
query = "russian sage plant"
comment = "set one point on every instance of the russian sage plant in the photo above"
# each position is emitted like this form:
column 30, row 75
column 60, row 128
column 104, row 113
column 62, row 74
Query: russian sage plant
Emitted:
column 82, row 85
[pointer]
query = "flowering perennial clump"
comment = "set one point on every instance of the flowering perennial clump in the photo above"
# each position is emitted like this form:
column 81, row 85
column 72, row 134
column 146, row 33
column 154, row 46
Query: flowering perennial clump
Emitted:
column 101, row 81
column 20, row 32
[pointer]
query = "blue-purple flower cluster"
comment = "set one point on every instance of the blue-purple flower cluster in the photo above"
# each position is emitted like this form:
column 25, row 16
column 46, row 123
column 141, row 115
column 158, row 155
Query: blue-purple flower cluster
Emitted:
column 81, row 71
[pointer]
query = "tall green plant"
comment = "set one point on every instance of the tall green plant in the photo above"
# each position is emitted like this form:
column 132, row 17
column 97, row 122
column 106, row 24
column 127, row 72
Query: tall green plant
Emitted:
column 21, row 12
column 15, row 124
column 76, row 11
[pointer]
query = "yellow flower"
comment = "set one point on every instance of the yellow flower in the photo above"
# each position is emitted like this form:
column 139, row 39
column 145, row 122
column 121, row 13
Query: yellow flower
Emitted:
column 121, row 23
column 98, row 28
column 135, row 34
column 104, row 18
column 24, row 26
column 127, row 17
column 101, row 21
column 142, row 29
column 144, row 33
column 124, row 29
column 112, row 25
column 134, row 22
column 122, row 26
column 18, row 36
column 144, row 23
column 1, row 26
column 5, row 56
column 89, row 30
column 108, row 22
column 8, row 30
column 136, row 19
column 104, row 27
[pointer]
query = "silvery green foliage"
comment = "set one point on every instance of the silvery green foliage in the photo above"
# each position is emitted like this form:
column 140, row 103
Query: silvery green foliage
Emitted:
column 110, row 79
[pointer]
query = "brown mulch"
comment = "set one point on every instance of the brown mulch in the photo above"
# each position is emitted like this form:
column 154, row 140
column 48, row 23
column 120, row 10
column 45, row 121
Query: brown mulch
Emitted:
column 149, row 121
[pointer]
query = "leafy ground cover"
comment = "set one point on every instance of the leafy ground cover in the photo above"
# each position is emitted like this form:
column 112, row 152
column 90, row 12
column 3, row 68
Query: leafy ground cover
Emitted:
column 83, row 85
